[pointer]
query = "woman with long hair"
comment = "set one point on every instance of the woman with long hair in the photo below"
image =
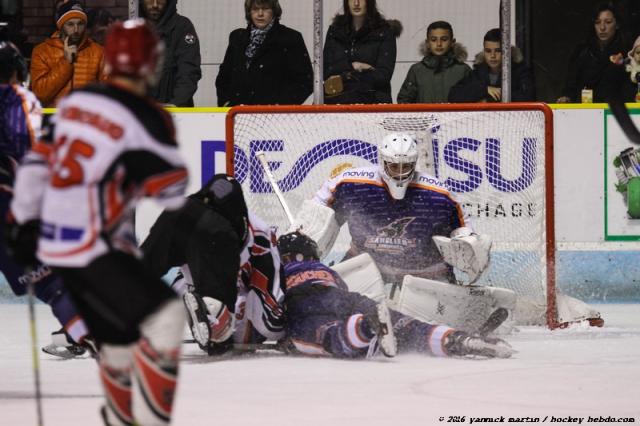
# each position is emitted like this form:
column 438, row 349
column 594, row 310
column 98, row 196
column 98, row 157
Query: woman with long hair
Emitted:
column 360, row 55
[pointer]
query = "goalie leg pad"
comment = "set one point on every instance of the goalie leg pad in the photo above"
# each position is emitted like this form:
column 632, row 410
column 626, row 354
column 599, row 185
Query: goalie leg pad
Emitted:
column 115, row 374
column 361, row 275
column 461, row 307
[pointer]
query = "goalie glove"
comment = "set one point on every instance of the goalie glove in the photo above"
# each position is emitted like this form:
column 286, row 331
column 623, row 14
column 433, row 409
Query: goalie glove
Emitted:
column 466, row 251
column 318, row 222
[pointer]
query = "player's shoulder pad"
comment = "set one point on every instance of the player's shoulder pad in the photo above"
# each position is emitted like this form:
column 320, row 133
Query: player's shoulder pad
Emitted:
column 156, row 121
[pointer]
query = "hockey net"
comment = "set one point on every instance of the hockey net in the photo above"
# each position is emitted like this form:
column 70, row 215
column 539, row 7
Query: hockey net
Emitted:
column 496, row 158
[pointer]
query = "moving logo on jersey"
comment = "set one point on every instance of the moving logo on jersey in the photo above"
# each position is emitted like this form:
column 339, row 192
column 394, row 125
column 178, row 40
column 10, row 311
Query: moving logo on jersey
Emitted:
column 391, row 238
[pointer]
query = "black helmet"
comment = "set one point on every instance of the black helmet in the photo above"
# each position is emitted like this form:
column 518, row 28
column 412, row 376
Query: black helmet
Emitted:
column 224, row 195
column 297, row 246
column 11, row 61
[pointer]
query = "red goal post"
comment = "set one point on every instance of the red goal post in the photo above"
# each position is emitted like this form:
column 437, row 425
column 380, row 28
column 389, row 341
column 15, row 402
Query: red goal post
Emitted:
column 496, row 158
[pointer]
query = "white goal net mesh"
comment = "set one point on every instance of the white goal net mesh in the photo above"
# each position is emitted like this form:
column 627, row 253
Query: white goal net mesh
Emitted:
column 492, row 160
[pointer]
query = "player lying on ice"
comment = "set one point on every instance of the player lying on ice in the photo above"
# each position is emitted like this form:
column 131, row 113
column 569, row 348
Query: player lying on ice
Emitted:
column 230, row 274
column 325, row 318
column 415, row 231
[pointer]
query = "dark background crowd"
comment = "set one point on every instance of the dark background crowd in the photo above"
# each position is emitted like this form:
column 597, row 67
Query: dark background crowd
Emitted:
column 557, row 50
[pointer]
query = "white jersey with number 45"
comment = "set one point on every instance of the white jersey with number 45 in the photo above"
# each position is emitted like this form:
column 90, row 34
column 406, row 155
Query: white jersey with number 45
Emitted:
column 109, row 149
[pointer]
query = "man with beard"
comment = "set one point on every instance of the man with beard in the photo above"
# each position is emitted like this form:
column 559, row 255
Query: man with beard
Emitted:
column 68, row 59
column 181, row 71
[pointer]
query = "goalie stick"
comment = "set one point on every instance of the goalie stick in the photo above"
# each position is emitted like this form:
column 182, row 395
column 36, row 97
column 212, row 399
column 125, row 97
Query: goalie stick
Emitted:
column 275, row 346
column 265, row 166
column 495, row 319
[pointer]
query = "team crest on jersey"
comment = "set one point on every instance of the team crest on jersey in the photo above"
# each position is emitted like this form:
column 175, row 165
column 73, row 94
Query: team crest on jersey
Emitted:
column 190, row 38
column 391, row 238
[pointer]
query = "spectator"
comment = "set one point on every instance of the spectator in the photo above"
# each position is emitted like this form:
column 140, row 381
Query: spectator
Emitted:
column 360, row 53
column 68, row 59
column 484, row 84
column 591, row 58
column 441, row 68
column 181, row 70
column 633, row 68
column 98, row 22
column 622, row 76
column 265, row 63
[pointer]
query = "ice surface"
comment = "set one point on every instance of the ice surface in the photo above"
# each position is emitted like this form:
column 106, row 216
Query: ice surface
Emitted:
column 576, row 372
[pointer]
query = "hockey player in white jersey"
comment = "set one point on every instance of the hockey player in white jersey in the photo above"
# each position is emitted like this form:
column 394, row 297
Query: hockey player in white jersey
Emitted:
column 112, row 146
column 230, row 274
column 409, row 222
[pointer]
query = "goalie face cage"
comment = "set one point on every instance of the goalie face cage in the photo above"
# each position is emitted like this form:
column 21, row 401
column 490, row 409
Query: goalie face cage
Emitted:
column 496, row 158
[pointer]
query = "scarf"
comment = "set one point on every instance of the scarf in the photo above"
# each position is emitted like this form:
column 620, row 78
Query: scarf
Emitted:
column 255, row 41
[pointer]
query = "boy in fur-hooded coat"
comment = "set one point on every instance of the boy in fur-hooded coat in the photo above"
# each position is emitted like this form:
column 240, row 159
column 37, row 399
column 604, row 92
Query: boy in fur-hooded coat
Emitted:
column 442, row 66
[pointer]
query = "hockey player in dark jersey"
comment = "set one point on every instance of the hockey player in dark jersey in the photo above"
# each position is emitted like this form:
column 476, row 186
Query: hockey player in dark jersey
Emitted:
column 230, row 274
column 112, row 146
column 20, row 123
column 325, row 318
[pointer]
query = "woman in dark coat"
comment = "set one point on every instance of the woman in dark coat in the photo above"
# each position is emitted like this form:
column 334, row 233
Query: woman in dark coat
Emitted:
column 591, row 59
column 265, row 63
column 484, row 84
column 360, row 49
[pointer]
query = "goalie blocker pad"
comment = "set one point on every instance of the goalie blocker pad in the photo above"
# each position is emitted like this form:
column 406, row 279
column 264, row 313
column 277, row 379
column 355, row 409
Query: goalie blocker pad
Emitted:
column 466, row 251
column 319, row 223
column 464, row 308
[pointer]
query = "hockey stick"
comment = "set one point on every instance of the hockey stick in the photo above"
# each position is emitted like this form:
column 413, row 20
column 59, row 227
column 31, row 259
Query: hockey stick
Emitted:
column 265, row 166
column 620, row 112
column 34, row 352
column 498, row 316
column 249, row 346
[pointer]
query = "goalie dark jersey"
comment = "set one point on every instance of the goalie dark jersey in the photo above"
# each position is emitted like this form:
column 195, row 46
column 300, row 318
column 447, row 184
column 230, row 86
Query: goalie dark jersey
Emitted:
column 396, row 233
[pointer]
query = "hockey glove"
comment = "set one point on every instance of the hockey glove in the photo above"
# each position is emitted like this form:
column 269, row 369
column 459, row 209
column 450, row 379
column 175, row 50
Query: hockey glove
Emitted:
column 22, row 242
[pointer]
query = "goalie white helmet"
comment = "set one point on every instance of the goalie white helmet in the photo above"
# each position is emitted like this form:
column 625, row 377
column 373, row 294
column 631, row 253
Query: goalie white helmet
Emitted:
column 398, row 154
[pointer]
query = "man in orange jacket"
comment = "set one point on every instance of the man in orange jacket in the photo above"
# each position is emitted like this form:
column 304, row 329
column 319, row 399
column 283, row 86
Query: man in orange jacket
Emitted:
column 68, row 59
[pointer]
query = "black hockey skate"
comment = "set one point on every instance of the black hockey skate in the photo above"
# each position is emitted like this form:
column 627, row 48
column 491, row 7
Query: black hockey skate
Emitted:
column 463, row 344
column 385, row 340
column 64, row 347
column 200, row 325
column 197, row 318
